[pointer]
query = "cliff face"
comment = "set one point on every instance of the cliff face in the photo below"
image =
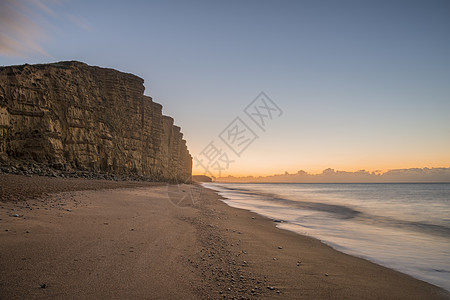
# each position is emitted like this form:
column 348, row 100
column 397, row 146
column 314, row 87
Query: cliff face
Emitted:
column 71, row 116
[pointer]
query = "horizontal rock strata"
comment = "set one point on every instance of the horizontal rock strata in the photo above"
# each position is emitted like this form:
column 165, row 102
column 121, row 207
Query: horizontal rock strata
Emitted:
column 78, row 119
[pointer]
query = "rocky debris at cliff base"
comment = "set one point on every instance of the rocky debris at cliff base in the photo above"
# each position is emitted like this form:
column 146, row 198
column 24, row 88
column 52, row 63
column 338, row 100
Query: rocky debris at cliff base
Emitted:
column 35, row 169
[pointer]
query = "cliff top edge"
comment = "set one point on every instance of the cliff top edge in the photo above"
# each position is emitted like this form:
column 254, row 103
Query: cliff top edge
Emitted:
column 69, row 64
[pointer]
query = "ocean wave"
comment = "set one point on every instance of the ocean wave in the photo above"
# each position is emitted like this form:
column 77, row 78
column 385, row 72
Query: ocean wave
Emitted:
column 335, row 210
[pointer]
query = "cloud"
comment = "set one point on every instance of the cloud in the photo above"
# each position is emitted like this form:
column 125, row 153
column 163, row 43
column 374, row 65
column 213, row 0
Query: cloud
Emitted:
column 19, row 33
column 330, row 175
column 24, row 25
column 44, row 7
column 80, row 22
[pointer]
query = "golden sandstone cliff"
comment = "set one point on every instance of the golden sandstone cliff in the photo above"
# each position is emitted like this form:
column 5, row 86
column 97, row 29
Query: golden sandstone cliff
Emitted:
column 83, row 121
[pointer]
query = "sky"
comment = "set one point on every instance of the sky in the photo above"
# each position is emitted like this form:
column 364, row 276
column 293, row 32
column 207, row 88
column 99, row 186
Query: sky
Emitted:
column 347, row 85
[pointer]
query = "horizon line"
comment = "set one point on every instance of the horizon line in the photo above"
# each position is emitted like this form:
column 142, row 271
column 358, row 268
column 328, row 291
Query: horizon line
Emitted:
column 377, row 172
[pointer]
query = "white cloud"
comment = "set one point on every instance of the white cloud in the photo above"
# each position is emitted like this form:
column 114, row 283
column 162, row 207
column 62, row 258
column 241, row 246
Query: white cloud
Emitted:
column 80, row 22
column 23, row 25
column 19, row 33
column 330, row 175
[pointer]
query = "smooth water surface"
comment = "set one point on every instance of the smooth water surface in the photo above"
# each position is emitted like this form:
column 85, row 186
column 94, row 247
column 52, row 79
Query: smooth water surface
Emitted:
column 402, row 226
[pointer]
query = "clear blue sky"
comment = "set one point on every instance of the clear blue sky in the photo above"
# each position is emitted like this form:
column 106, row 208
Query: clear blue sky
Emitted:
column 362, row 84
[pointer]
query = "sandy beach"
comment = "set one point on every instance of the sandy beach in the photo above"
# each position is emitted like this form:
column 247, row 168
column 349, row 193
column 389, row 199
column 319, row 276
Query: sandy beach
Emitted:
column 96, row 239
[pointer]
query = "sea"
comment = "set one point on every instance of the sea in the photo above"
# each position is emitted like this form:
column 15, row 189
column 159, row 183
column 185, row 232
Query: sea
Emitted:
column 402, row 226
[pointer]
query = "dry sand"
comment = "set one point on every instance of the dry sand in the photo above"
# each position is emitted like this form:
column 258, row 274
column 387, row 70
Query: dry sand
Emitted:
column 147, row 241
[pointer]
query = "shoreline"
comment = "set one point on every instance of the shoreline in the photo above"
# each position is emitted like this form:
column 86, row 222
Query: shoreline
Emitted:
column 417, row 249
column 154, row 242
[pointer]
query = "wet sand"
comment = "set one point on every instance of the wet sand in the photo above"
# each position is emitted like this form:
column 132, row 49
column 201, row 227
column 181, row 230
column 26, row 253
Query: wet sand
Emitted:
column 156, row 241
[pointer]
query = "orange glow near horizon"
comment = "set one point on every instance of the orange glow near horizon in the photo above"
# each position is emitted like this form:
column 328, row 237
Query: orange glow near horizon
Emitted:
column 271, row 156
column 276, row 152
column 245, row 171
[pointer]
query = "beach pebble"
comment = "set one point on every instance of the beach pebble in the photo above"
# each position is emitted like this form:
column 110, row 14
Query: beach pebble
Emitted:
column 278, row 221
column 253, row 218
column 270, row 288
column 69, row 209
column 326, row 274
column 279, row 247
column 15, row 215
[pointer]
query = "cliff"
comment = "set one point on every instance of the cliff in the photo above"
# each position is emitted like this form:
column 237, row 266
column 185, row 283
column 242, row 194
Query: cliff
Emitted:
column 201, row 178
column 80, row 119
